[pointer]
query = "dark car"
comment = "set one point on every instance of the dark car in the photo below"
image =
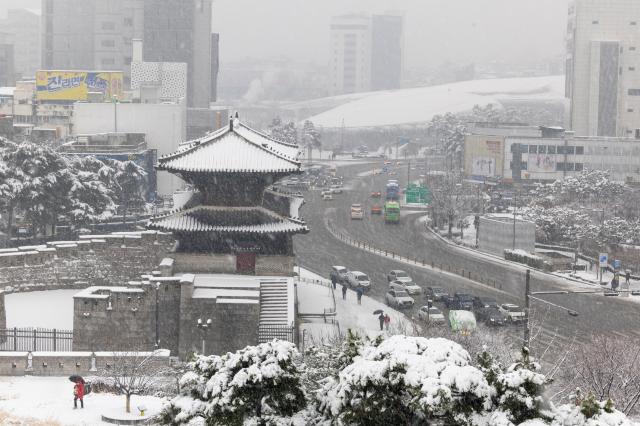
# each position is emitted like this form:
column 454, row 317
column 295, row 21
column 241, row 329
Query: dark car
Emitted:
column 460, row 301
column 493, row 317
column 480, row 303
column 437, row 294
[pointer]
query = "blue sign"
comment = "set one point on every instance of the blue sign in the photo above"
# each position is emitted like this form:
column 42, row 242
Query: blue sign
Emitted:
column 616, row 264
column 603, row 260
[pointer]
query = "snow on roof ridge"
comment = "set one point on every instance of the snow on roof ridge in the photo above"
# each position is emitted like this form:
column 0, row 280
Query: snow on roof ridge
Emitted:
column 292, row 145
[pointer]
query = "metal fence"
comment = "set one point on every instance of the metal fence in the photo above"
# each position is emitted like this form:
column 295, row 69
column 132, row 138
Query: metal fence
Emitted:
column 35, row 339
column 267, row 333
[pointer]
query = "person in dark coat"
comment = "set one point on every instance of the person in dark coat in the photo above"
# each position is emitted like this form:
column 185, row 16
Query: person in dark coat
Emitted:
column 627, row 276
column 333, row 281
column 381, row 319
column 344, row 292
column 78, row 394
column 359, row 293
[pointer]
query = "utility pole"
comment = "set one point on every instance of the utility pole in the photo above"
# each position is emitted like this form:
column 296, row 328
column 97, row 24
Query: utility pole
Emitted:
column 515, row 208
column 115, row 114
column 527, row 304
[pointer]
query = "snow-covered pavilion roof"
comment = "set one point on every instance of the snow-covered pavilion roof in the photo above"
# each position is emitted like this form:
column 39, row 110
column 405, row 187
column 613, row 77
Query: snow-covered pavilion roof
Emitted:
column 236, row 148
column 252, row 220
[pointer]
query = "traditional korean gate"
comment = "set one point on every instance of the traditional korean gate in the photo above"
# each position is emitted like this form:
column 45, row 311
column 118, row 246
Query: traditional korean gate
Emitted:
column 246, row 263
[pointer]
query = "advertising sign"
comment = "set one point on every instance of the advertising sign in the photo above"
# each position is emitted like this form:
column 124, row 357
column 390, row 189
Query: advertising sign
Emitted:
column 603, row 260
column 541, row 163
column 483, row 156
column 76, row 85
column 483, row 166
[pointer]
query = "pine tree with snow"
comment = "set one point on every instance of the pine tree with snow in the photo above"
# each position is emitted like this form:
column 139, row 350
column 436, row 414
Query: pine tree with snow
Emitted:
column 257, row 382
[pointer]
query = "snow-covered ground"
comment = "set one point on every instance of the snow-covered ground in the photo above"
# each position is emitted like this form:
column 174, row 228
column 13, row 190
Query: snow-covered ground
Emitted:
column 349, row 315
column 45, row 309
column 50, row 400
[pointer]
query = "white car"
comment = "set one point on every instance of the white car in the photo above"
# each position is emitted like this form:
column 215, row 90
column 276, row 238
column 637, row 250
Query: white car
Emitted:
column 357, row 279
column 514, row 313
column 431, row 314
column 399, row 299
column 408, row 286
column 338, row 273
column 398, row 275
column 326, row 195
column 357, row 212
column 336, row 189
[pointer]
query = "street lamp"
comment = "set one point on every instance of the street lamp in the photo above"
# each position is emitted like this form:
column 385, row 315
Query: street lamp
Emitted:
column 204, row 326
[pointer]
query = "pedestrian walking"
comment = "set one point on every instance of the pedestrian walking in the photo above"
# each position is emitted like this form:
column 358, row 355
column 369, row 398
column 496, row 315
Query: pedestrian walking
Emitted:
column 333, row 282
column 387, row 321
column 359, row 293
column 78, row 394
column 344, row 292
column 381, row 319
column 627, row 276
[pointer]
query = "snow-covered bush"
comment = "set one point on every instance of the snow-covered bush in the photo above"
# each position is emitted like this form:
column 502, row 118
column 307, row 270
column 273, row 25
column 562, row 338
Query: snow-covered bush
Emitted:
column 522, row 256
column 405, row 379
column 258, row 381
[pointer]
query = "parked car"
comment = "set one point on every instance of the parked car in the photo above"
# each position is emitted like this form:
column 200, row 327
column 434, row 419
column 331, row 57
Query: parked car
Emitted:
column 398, row 299
column 514, row 313
column 482, row 302
column 357, row 279
column 398, row 275
column 336, row 189
column 460, row 301
column 437, row 294
column 326, row 195
column 431, row 315
column 492, row 317
column 408, row 286
column 376, row 194
column 376, row 209
column 339, row 273
column 357, row 212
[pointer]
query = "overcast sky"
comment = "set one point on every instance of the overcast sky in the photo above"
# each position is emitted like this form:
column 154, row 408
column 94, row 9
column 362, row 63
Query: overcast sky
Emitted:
column 460, row 31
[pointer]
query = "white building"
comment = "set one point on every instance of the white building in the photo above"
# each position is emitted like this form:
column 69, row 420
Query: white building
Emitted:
column 603, row 67
column 350, row 54
column 153, row 82
column 164, row 125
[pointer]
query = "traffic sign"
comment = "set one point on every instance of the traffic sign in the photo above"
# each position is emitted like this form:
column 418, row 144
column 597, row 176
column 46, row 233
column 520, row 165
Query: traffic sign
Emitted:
column 616, row 264
column 603, row 260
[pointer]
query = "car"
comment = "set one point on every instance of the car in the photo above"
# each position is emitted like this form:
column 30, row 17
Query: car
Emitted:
column 376, row 209
column 357, row 212
column 408, row 286
column 357, row 279
column 339, row 273
column 376, row 194
column 387, row 162
column 513, row 312
column 437, row 294
column 398, row 275
column 460, row 301
column 326, row 195
column 492, row 317
column 336, row 189
column 481, row 303
column 399, row 299
column 431, row 315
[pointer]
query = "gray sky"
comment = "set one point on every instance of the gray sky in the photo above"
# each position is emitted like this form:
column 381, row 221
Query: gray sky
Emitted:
column 435, row 30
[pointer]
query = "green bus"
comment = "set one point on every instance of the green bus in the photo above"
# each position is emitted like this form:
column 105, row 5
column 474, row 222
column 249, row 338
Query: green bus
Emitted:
column 392, row 212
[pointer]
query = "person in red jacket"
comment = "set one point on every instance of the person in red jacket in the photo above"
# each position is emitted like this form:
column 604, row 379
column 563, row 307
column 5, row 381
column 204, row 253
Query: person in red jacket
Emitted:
column 78, row 394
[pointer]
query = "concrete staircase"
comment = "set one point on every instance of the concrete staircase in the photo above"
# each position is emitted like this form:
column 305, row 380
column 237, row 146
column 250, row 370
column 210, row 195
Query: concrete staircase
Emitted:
column 274, row 311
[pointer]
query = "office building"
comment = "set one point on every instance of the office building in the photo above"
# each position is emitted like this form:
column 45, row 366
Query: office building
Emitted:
column 350, row 55
column 386, row 51
column 7, row 67
column 23, row 26
column 186, row 37
column 603, row 67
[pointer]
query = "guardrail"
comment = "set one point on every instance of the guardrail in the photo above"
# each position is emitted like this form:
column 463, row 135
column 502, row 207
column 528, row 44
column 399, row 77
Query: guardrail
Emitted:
column 415, row 261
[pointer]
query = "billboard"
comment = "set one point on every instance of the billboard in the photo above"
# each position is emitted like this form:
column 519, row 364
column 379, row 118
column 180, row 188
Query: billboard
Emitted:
column 541, row 162
column 483, row 156
column 483, row 166
column 76, row 85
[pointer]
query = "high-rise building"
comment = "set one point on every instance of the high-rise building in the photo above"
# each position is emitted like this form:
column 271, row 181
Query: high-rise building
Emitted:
column 386, row 51
column 350, row 56
column 603, row 67
column 23, row 26
column 180, row 31
column 7, row 69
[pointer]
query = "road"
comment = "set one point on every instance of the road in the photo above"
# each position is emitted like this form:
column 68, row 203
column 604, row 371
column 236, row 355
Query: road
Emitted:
column 492, row 277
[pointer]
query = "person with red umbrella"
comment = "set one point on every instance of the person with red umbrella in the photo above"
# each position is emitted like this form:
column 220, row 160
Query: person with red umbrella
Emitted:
column 78, row 391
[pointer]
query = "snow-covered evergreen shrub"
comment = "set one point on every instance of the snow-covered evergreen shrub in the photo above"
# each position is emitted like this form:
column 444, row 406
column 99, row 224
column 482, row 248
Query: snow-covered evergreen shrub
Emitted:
column 258, row 381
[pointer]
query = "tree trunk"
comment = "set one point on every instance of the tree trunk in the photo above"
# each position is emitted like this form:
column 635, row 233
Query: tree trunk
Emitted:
column 128, row 403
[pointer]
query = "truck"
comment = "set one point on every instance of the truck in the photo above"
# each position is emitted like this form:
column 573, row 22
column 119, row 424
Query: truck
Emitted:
column 392, row 190
column 392, row 212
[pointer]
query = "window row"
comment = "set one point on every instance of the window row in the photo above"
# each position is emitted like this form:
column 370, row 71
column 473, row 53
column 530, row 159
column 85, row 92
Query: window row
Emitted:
column 550, row 149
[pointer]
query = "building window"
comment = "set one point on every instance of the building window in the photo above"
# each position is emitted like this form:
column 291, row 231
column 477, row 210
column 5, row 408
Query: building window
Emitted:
column 542, row 149
column 579, row 167
column 570, row 150
column 629, row 109
column 108, row 25
column 551, row 149
column 108, row 61
column 561, row 149
column 632, row 68
column 533, row 149
column 128, row 22
column 634, row 92
column 579, row 150
column 523, row 166
column 107, row 43
column 595, row 22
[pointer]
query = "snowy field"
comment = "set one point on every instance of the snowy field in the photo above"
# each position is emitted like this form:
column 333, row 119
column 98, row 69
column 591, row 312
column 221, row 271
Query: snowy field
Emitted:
column 50, row 400
column 45, row 309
